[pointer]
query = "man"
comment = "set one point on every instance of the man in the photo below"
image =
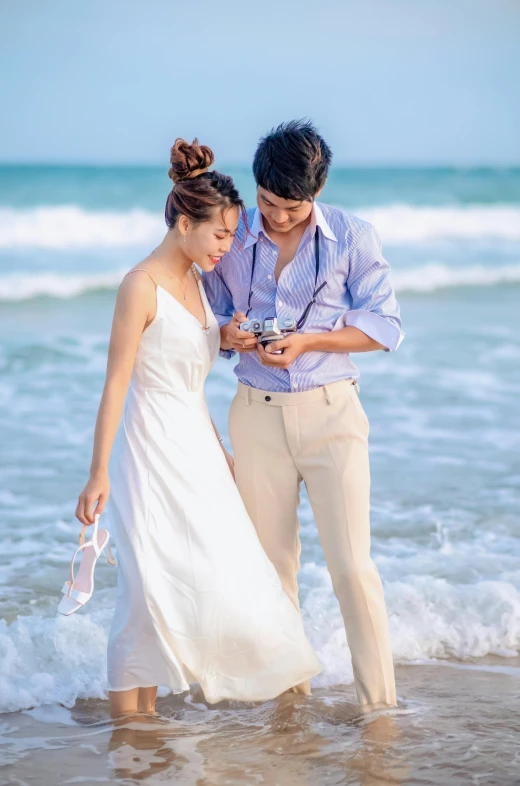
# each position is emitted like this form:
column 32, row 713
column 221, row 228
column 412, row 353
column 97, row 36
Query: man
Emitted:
column 297, row 415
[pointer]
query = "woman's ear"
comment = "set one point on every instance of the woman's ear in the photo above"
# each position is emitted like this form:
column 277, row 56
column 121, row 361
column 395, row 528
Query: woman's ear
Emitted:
column 184, row 224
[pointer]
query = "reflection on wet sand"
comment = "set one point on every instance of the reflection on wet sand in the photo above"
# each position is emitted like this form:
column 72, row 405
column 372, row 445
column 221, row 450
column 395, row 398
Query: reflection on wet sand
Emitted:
column 378, row 761
column 143, row 746
column 291, row 741
column 459, row 726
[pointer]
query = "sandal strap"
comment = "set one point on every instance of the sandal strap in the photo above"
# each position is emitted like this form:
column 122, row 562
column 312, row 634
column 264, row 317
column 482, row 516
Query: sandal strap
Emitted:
column 68, row 586
column 83, row 545
column 94, row 535
column 75, row 594
column 80, row 548
column 109, row 555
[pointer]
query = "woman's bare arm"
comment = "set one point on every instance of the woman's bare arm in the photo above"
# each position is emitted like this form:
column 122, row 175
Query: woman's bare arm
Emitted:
column 134, row 310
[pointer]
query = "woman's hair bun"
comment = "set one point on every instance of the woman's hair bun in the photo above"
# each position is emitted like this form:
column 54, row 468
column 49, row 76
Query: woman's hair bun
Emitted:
column 186, row 158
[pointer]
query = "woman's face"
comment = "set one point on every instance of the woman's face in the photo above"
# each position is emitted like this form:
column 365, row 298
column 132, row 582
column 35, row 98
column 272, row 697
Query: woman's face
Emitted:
column 206, row 243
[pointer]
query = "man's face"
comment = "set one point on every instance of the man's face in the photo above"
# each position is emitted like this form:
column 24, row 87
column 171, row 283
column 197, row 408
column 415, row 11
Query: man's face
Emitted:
column 281, row 215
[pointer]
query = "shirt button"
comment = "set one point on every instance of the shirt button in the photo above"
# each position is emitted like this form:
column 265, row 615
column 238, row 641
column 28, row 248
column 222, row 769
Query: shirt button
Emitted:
column 269, row 277
column 280, row 303
column 295, row 385
column 268, row 398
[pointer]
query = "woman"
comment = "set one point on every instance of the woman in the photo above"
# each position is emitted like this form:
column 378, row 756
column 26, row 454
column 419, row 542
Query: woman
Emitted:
column 197, row 597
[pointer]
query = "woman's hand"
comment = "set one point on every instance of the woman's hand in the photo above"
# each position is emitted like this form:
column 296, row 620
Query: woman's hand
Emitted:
column 96, row 490
column 231, row 337
column 230, row 461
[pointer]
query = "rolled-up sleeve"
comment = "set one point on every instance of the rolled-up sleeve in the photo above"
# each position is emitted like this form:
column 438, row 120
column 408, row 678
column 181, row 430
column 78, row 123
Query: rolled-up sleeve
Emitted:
column 221, row 302
column 374, row 308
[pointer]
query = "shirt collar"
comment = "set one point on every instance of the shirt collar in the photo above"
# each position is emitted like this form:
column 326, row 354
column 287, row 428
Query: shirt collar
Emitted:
column 254, row 230
column 317, row 220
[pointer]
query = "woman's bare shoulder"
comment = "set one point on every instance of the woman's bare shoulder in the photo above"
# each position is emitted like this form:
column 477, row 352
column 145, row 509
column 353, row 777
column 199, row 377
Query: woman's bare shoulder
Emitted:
column 138, row 286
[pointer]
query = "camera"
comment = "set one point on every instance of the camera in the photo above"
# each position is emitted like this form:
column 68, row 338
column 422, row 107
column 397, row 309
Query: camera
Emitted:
column 270, row 329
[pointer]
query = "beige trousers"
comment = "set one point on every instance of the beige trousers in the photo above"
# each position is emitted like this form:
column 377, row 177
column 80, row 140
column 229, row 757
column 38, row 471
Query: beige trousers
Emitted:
column 321, row 437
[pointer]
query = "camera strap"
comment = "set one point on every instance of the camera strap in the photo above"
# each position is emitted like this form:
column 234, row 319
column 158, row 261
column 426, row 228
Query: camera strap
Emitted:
column 303, row 319
column 251, row 281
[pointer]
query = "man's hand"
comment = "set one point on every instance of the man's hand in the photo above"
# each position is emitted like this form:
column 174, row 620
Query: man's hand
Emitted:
column 293, row 345
column 231, row 337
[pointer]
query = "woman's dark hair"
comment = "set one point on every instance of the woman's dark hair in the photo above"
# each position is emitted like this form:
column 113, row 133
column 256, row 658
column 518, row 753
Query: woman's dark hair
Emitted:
column 196, row 191
column 292, row 161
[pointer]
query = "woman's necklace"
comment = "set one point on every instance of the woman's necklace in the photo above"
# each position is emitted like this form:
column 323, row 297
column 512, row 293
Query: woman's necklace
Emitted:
column 174, row 278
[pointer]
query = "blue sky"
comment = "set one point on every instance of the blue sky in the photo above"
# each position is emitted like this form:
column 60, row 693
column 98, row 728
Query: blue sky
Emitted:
column 386, row 81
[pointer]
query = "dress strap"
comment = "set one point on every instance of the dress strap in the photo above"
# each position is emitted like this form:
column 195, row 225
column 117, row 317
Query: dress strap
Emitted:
column 143, row 270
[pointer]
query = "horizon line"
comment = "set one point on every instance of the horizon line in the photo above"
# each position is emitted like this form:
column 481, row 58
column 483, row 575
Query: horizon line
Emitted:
column 362, row 165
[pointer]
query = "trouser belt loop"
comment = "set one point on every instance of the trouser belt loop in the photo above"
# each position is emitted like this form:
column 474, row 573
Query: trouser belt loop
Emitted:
column 248, row 396
column 328, row 394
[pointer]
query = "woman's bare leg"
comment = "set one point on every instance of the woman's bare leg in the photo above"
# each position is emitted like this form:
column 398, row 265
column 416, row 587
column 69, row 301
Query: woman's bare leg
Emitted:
column 123, row 702
column 146, row 700
column 302, row 689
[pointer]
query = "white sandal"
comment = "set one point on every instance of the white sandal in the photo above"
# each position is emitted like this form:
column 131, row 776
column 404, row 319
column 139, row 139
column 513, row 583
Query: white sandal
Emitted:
column 79, row 589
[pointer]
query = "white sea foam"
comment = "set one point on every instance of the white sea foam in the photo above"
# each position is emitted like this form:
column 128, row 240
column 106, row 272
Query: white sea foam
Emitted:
column 52, row 659
column 426, row 278
column 429, row 278
column 28, row 285
column 60, row 659
column 73, row 227
column 401, row 223
column 430, row 618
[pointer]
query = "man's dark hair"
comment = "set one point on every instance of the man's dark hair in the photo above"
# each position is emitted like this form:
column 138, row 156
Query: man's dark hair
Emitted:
column 292, row 161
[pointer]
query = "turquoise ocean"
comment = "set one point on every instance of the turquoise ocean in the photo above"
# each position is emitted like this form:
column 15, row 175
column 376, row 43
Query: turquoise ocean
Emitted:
column 444, row 412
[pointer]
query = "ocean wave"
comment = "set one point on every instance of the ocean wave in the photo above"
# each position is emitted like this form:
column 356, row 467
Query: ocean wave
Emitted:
column 409, row 224
column 430, row 618
column 72, row 227
column 429, row 278
column 45, row 660
column 27, row 286
column 426, row 278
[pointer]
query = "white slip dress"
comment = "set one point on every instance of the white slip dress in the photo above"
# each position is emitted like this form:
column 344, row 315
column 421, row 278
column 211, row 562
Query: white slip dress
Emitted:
column 197, row 598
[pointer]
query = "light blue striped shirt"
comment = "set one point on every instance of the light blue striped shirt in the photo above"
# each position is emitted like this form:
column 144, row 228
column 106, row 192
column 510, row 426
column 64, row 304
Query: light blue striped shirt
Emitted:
column 358, row 293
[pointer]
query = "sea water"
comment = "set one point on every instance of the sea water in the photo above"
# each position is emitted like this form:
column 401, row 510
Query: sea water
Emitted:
column 444, row 413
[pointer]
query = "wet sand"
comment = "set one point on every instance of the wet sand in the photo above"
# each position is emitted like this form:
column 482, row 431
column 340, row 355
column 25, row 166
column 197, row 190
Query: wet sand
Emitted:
column 457, row 724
